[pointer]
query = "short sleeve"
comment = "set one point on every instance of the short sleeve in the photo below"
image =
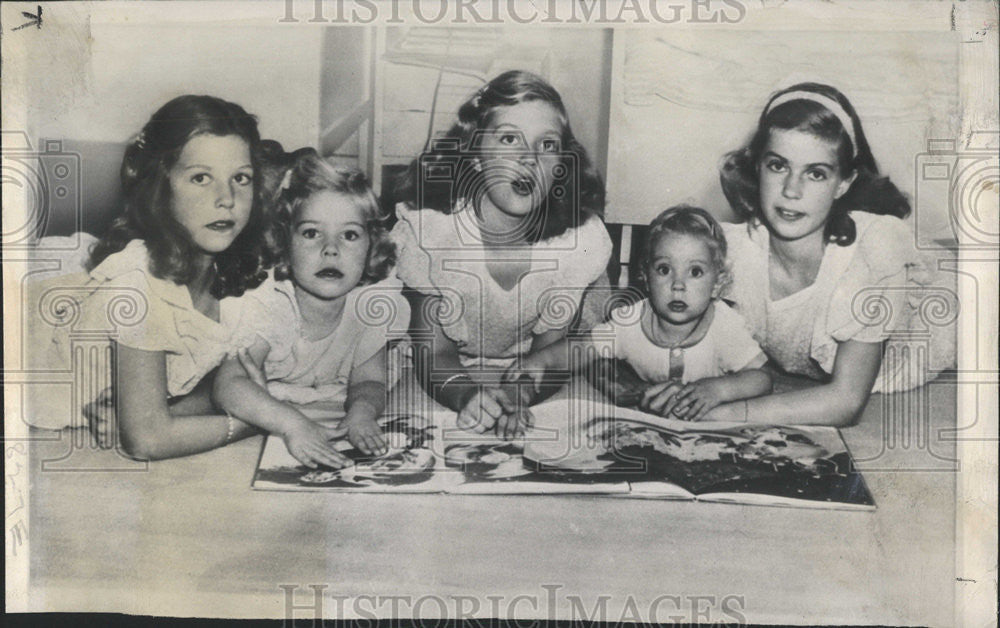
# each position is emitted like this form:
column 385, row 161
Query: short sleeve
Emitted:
column 869, row 300
column 591, row 253
column 582, row 277
column 623, row 330
column 129, row 307
column 603, row 334
column 736, row 345
column 269, row 314
column 381, row 314
column 747, row 263
column 413, row 262
column 131, row 304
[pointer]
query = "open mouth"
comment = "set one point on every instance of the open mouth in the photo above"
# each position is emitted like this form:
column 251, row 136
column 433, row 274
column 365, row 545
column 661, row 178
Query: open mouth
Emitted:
column 677, row 306
column 787, row 214
column 523, row 186
column 221, row 225
column 329, row 273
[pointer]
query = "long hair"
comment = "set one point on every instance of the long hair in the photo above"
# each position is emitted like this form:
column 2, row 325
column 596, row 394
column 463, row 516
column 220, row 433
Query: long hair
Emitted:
column 870, row 192
column 309, row 174
column 579, row 194
column 146, row 190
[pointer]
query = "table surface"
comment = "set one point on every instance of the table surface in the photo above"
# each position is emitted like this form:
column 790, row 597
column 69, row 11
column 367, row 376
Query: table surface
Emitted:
column 189, row 537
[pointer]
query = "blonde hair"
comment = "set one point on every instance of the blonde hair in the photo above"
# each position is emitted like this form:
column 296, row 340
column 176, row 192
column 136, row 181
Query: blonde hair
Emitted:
column 310, row 174
column 691, row 221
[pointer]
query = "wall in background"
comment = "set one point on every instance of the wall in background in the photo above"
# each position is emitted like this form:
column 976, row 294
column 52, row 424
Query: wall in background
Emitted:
column 680, row 100
column 407, row 63
column 656, row 109
column 127, row 71
column 113, row 76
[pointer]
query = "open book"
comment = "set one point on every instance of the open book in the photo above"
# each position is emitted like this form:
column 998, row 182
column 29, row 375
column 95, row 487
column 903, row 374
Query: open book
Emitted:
column 583, row 447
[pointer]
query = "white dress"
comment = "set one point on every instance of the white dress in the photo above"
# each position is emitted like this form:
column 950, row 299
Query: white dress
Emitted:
column 877, row 289
column 74, row 316
column 443, row 255
column 306, row 371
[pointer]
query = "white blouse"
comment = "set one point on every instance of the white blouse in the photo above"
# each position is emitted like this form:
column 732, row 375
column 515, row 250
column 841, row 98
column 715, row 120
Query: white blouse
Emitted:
column 443, row 255
column 118, row 301
column 876, row 289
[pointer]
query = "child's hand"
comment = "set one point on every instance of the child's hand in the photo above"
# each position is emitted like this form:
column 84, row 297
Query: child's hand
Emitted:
column 513, row 425
column 366, row 435
column 503, row 408
column 696, row 399
column 484, row 409
column 661, row 398
column 530, row 370
column 100, row 415
column 309, row 442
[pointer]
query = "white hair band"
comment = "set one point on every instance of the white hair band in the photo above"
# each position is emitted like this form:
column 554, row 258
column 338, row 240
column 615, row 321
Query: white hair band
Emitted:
column 830, row 104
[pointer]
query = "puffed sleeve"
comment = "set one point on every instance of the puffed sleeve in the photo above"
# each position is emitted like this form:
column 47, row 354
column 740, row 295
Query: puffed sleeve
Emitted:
column 382, row 314
column 413, row 262
column 582, row 278
column 269, row 314
column 747, row 263
column 156, row 331
column 622, row 330
column 133, row 305
column 869, row 300
column 737, row 347
column 891, row 292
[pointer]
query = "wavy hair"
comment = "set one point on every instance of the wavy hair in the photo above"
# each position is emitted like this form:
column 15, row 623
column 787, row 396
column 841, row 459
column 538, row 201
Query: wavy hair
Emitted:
column 691, row 221
column 146, row 190
column 558, row 212
column 309, row 174
column 870, row 192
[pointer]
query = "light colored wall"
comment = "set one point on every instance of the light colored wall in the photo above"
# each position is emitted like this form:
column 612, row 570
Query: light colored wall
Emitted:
column 124, row 72
column 575, row 61
column 680, row 100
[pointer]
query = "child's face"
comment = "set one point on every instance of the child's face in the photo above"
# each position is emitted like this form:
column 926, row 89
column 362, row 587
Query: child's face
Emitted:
column 329, row 245
column 799, row 181
column 211, row 190
column 682, row 278
column 521, row 147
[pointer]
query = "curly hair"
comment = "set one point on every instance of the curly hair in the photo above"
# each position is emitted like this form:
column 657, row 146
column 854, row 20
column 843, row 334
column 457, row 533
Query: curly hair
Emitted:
column 692, row 221
column 870, row 192
column 557, row 213
column 146, row 190
column 309, row 174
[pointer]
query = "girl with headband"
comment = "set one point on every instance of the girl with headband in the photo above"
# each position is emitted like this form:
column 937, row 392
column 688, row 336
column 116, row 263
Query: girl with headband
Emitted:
column 824, row 268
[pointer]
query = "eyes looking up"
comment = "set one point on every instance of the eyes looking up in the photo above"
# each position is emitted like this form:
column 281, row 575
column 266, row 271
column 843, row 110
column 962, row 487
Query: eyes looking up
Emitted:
column 516, row 140
column 204, row 178
column 532, row 127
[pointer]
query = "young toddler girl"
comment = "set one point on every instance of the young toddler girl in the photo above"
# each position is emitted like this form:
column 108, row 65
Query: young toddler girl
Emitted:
column 692, row 349
column 154, row 316
column 318, row 348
